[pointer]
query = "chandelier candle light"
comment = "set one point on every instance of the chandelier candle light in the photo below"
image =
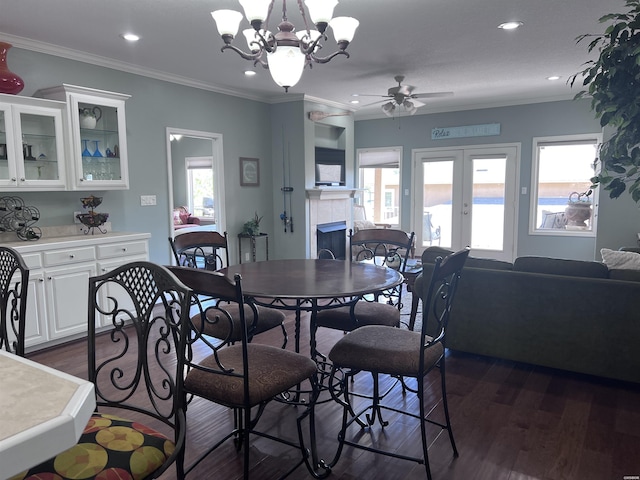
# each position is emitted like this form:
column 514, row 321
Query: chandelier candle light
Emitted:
column 287, row 52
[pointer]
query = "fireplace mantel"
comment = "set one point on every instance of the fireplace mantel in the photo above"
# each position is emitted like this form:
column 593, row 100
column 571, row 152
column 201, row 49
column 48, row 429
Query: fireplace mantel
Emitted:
column 331, row 193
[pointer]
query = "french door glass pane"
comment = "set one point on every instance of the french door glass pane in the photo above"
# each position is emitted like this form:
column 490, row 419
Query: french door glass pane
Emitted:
column 438, row 198
column 487, row 209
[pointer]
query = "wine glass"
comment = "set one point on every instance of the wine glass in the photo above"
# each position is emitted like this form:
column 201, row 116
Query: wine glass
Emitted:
column 97, row 152
column 86, row 152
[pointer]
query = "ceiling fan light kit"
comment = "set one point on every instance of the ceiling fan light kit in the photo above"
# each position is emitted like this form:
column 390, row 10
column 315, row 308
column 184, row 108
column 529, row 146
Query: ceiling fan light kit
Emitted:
column 287, row 52
column 403, row 96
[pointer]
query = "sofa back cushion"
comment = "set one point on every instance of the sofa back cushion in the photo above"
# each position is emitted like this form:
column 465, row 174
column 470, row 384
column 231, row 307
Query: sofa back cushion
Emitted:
column 559, row 266
column 478, row 262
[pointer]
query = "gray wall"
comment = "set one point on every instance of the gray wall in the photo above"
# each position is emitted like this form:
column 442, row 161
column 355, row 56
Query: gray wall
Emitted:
column 618, row 220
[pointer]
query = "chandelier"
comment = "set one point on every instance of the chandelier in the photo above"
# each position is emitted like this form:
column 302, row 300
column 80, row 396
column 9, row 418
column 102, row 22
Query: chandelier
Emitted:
column 287, row 52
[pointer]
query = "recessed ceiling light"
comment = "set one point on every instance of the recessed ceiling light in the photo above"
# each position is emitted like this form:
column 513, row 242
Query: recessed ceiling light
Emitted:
column 554, row 77
column 510, row 25
column 354, row 101
column 249, row 73
column 130, row 37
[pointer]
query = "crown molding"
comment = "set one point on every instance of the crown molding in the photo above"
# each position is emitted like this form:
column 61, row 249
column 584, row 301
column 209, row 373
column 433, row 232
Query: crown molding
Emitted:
column 71, row 54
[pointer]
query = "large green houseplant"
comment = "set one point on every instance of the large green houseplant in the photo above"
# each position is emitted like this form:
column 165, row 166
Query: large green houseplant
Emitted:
column 613, row 83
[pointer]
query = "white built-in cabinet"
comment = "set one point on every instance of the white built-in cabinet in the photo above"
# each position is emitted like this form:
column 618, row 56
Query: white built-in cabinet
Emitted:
column 32, row 144
column 59, row 272
column 97, row 136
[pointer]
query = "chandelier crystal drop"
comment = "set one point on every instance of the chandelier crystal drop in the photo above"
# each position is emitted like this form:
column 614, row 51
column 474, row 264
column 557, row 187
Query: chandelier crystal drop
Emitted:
column 286, row 52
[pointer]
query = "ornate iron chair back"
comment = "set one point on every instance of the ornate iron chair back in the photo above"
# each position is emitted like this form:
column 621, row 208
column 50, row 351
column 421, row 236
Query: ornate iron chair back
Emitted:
column 14, row 279
column 206, row 250
column 146, row 309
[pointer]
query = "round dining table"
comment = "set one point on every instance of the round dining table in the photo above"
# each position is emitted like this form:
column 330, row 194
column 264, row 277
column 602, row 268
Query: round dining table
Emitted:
column 311, row 285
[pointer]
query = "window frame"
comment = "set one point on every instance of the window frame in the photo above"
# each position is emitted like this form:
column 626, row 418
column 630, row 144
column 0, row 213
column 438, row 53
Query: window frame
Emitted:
column 534, row 228
column 397, row 151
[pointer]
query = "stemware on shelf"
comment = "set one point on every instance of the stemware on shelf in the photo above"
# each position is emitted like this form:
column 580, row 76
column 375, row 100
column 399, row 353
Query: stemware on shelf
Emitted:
column 86, row 152
column 97, row 152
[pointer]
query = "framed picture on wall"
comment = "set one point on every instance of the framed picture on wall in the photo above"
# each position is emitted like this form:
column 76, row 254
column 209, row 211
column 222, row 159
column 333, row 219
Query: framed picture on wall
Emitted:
column 249, row 172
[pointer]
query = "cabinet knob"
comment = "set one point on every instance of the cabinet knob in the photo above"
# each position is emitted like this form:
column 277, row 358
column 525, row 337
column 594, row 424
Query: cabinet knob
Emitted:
column 49, row 278
column 22, row 179
column 41, row 279
column 124, row 249
column 72, row 256
column 82, row 179
column 13, row 179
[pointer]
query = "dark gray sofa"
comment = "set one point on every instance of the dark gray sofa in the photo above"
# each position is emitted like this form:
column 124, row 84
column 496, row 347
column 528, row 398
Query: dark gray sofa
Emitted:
column 565, row 314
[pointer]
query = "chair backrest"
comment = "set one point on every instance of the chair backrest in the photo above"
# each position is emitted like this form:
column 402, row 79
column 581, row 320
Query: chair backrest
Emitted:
column 14, row 279
column 207, row 250
column 388, row 247
column 438, row 295
column 140, row 368
column 210, row 284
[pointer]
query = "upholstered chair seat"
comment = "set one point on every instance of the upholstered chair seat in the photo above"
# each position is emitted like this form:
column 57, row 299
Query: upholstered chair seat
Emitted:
column 271, row 371
column 269, row 318
column 366, row 313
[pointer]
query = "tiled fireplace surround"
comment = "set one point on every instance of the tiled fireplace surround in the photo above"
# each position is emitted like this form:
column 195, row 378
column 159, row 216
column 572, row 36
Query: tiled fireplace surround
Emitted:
column 327, row 205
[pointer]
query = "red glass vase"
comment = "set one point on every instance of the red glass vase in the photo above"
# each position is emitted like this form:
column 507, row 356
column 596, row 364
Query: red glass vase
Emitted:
column 9, row 81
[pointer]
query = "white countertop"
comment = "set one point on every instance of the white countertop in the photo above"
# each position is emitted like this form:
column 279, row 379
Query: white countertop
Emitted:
column 42, row 412
column 47, row 243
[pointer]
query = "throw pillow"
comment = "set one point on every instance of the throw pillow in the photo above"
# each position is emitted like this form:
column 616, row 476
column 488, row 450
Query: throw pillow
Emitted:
column 622, row 260
column 184, row 218
column 177, row 220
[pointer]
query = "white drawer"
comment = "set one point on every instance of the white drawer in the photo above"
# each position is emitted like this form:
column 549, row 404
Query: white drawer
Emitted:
column 62, row 257
column 115, row 250
column 33, row 260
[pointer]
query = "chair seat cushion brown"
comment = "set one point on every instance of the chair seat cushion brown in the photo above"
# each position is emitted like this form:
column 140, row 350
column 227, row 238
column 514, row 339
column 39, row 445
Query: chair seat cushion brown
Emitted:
column 109, row 447
column 272, row 371
column 380, row 349
column 367, row 313
column 268, row 318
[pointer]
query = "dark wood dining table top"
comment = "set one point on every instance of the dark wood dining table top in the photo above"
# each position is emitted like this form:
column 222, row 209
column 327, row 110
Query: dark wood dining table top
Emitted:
column 312, row 279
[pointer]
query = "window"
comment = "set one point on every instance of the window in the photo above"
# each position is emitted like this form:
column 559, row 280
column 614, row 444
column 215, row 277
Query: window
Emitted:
column 379, row 177
column 562, row 172
column 200, row 187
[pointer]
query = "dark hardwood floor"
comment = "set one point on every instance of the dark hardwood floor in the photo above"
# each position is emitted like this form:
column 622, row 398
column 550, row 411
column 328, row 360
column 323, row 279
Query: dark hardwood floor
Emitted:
column 511, row 422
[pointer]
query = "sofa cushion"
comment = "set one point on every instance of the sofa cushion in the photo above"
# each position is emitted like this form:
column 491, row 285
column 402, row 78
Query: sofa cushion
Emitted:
column 477, row 262
column 624, row 274
column 620, row 259
column 559, row 266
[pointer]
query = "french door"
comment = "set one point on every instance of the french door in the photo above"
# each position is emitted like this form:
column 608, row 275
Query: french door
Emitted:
column 466, row 196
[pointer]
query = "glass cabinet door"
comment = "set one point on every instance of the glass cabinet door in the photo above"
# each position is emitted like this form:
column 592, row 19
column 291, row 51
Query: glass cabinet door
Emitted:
column 39, row 147
column 7, row 167
column 100, row 142
column 32, row 145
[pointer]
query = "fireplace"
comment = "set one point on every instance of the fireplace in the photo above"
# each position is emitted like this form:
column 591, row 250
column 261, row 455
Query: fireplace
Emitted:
column 332, row 236
column 328, row 205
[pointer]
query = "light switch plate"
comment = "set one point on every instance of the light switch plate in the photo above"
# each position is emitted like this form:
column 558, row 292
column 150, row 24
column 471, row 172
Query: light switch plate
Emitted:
column 146, row 200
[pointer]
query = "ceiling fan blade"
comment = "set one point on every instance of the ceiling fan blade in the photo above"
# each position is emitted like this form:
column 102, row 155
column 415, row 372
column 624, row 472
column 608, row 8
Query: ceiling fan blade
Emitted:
column 372, row 95
column 376, row 103
column 432, row 95
column 417, row 103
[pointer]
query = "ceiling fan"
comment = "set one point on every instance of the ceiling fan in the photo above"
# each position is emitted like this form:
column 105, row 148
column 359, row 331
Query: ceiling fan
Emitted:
column 403, row 96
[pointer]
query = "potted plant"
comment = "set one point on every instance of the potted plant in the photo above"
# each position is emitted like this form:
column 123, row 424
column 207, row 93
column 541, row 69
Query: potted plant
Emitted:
column 613, row 83
column 252, row 227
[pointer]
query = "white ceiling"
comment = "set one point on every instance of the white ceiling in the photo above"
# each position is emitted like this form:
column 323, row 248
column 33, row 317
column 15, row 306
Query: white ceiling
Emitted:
column 439, row 45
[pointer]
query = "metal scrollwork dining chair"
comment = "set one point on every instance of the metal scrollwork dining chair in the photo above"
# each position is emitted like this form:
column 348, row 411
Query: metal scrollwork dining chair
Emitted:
column 14, row 279
column 385, row 247
column 139, row 428
column 209, row 250
column 245, row 376
column 400, row 353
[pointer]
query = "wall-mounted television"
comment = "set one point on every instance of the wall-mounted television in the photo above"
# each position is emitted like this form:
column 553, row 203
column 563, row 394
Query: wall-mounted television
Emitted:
column 330, row 164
